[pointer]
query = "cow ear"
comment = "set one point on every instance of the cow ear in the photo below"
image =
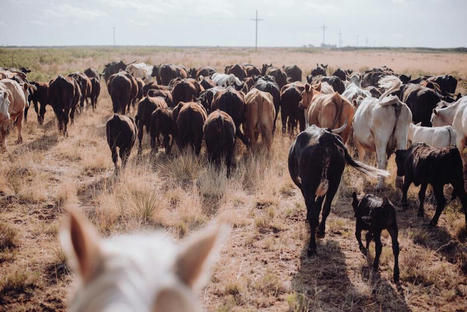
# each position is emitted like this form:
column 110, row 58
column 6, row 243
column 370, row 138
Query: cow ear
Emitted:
column 435, row 111
column 197, row 252
column 307, row 87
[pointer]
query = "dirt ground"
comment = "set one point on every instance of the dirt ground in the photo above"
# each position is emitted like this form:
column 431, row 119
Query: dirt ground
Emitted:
column 263, row 266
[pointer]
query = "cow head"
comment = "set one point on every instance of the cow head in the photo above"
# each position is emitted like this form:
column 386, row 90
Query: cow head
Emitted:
column 307, row 96
column 264, row 69
column 355, row 203
column 401, row 156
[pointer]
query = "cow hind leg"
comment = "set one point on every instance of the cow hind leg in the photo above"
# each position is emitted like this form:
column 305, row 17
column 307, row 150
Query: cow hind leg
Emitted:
column 312, row 218
column 395, row 250
column 327, row 207
column 440, row 203
column 421, row 199
column 378, row 248
column 19, row 125
column 124, row 155
column 382, row 161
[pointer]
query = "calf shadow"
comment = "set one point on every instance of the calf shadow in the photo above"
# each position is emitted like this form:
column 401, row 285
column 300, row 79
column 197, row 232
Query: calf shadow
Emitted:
column 322, row 283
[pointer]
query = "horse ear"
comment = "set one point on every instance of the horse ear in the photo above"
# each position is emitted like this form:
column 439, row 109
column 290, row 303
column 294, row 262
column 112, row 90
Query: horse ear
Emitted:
column 192, row 261
column 80, row 242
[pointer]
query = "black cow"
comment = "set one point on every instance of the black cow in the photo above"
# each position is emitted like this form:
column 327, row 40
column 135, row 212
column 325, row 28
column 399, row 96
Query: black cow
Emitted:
column 64, row 95
column 421, row 102
column 113, row 68
column 95, row 91
column 374, row 214
column 447, row 83
column 290, row 97
column 341, row 74
column 320, row 70
column 165, row 73
column 121, row 132
column 294, row 73
column 421, row 165
column 219, row 134
column 317, row 159
column 39, row 95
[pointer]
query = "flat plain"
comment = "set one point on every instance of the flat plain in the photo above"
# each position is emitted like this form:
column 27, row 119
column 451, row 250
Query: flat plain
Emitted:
column 263, row 266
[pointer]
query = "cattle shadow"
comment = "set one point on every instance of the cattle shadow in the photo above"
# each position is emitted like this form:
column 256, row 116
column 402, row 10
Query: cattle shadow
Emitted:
column 88, row 191
column 322, row 283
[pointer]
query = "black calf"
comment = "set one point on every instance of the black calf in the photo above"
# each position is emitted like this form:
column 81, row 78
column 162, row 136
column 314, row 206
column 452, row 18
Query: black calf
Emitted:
column 374, row 215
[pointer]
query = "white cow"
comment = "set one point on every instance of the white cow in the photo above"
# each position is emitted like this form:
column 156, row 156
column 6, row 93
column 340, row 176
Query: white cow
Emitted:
column 16, row 95
column 140, row 70
column 435, row 136
column 355, row 94
column 140, row 272
column 381, row 125
column 224, row 80
column 455, row 115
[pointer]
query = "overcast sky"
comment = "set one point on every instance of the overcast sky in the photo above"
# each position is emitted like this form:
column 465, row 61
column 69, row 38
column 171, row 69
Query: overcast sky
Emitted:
column 430, row 23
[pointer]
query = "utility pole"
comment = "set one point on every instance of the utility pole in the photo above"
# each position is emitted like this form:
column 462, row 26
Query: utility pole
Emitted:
column 113, row 30
column 324, row 34
column 340, row 38
column 256, row 20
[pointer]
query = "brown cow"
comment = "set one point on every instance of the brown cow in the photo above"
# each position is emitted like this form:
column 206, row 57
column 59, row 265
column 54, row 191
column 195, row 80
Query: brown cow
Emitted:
column 120, row 90
column 13, row 100
column 96, row 90
column 219, row 134
column 143, row 118
column 259, row 116
column 327, row 110
column 190, row 120
column 121, row 133
column 162, row 123
column 186, row 90
column 85, row 87
column 232, row 102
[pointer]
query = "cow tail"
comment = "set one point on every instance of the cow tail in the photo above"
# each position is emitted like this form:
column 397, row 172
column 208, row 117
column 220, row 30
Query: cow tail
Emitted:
column 111, row 138
column 324, row 182
column 362, row 167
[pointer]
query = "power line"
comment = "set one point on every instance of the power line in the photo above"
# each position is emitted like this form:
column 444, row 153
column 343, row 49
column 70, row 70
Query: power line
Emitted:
column 256, row 20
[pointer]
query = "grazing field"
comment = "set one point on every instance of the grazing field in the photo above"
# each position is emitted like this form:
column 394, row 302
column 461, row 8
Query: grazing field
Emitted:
column 263, row 266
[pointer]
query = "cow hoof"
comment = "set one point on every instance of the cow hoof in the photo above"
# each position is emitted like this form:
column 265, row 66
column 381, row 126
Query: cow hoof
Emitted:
column 320, row 234
column 311, row 252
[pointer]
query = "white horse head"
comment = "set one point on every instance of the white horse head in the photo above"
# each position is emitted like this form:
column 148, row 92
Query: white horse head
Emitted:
column 137, row 272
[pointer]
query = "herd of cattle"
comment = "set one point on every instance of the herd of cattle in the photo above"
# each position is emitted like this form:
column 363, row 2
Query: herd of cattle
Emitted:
column 421, row 120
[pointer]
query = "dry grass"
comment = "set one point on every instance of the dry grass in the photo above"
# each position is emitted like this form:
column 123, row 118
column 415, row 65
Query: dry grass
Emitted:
column 264, row 265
